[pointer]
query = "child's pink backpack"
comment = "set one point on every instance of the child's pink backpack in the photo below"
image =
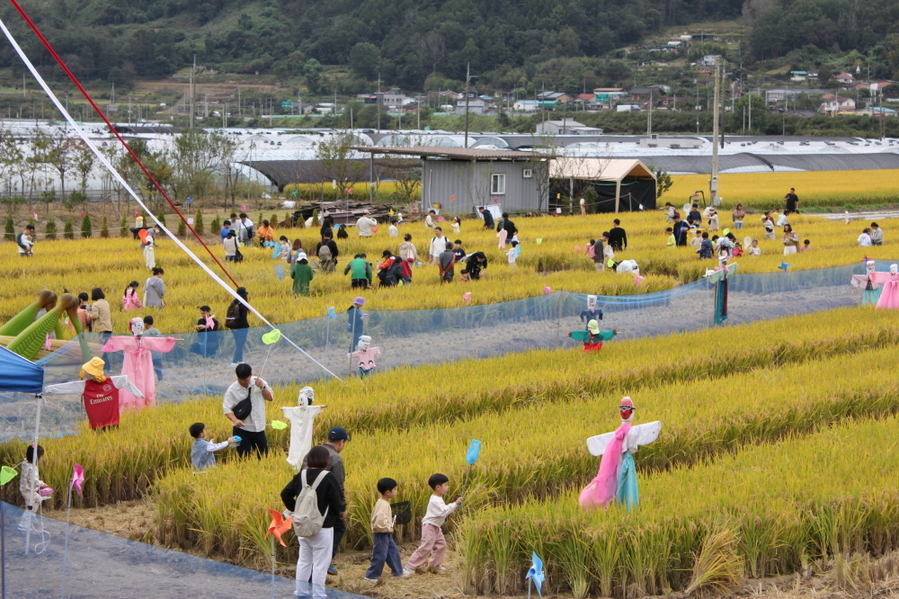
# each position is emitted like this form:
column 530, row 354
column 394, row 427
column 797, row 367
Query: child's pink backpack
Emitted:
column 591, row 251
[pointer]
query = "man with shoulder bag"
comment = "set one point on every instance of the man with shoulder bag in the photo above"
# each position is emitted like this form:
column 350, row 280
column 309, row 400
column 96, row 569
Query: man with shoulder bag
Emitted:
column 244, row 406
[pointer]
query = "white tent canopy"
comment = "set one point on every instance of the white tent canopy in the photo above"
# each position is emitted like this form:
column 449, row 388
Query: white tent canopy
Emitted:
column 599, row 169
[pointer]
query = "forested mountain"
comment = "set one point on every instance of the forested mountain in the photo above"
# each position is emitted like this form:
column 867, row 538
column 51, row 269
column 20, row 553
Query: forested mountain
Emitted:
column 506, row 42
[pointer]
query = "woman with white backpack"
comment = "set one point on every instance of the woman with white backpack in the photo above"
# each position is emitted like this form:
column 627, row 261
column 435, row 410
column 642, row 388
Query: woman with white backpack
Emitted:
column 315, row 498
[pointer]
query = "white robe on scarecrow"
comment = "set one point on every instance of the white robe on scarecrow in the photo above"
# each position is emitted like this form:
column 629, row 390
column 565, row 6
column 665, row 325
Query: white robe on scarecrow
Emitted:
column 617, row 476
column 302, row 420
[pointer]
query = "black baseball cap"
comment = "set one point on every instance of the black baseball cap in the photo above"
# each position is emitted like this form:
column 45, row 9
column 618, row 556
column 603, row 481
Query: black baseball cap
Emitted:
column 338, row 433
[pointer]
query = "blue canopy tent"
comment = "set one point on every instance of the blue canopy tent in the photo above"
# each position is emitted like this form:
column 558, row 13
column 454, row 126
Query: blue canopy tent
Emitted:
column 19, row 374
column 24, row 376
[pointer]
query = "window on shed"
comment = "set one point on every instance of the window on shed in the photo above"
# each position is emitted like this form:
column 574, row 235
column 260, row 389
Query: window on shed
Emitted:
column 498, row 183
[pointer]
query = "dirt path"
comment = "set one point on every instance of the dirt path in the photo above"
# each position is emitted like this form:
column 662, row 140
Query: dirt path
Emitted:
column 101, row 565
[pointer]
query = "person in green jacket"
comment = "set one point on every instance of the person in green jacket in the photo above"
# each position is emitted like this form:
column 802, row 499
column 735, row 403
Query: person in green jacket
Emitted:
column 301, row 273
column 361, row 271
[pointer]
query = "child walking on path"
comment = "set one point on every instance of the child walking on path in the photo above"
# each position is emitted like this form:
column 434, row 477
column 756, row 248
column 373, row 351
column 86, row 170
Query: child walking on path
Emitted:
column 433, row 543
column 385, row 549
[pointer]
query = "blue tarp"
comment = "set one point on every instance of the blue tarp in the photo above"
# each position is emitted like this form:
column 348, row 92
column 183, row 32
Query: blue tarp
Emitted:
column 19, row 374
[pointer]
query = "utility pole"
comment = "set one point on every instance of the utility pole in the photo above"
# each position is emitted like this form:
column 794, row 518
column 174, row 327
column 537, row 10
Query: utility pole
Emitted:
column 467, row 85
column 649, row 117
column 378, row 102
column 713, row 182
column 193, row 68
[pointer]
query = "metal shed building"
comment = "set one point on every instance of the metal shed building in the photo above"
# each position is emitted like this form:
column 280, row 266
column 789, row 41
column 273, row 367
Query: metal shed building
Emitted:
column 461, row 179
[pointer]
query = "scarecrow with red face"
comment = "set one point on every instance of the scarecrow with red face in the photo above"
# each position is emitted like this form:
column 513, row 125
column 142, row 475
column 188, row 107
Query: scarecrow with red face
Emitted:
column 617, row 476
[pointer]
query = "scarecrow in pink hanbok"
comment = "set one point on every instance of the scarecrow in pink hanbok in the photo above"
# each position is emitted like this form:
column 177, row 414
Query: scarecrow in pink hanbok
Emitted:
column 138, row 365
column 617, row 476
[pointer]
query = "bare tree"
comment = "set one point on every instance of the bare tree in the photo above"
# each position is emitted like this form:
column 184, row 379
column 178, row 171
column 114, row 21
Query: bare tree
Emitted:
column 14, row 164
column 544, row 152
column 432, row 47
column 476, row 182
column 337, row 163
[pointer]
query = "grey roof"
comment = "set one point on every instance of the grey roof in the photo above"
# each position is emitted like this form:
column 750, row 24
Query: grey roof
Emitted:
column 284, row 172
column 749, row 162
column 452, row 153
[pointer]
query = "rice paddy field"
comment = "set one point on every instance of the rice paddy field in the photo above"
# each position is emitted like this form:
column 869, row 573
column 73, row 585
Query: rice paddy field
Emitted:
column 829, row 189
column 777, row 453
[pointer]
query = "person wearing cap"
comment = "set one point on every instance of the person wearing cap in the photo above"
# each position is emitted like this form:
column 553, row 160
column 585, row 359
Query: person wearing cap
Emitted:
column 364, row 225
column 337, row 440
column 251, row 429
column 301, row 273
column 207, row 344
column 355, row 324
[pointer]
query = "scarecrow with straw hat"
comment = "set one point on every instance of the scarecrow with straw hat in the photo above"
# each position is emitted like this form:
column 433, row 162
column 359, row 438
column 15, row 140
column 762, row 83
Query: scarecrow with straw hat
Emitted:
column 99, row 393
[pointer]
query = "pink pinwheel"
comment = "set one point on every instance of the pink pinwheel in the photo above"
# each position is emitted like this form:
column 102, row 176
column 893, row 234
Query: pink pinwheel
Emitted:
column 577, row 249
column 638, row 279
column 77, row 478
column 547, row 290
column 279, row 526
column 467, row 297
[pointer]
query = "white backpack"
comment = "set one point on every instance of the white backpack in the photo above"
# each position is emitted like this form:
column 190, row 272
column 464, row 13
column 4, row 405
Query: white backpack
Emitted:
column 307, row 520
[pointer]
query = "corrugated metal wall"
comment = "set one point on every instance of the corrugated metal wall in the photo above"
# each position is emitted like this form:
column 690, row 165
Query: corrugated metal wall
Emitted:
column 470, row 183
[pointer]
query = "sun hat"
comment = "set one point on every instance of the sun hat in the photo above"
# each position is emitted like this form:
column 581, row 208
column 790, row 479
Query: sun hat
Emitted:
column 92, row 368
column 359, row 301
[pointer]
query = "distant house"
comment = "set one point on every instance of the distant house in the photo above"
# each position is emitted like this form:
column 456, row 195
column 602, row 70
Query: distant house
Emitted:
column 642, row 93
column 798, row 75
column 526, row 106
column 394, row 98
column 836, row 104
column 845, row 78
column 710, row 60
column 608, row 94
column 773, row 96
column 559, row 97
column 585, row 100
column 475, row 106
column 563, row 127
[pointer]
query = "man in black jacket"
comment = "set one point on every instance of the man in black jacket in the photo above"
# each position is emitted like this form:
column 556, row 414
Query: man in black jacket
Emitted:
column 618, row 237
column 488, row 218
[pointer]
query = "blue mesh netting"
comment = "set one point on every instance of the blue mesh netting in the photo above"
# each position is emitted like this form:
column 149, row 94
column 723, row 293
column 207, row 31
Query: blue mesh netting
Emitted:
column 411, row 337
column 93, row 564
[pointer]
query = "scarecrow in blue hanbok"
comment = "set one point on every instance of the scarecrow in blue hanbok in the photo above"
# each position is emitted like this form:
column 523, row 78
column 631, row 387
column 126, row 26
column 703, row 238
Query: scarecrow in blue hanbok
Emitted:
column 617, row 476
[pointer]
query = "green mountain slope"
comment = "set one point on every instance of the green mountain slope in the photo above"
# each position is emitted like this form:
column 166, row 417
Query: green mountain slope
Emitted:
column 504, row 41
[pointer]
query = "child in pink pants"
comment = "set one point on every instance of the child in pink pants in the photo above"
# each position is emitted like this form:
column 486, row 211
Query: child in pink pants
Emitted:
column 433, row 543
